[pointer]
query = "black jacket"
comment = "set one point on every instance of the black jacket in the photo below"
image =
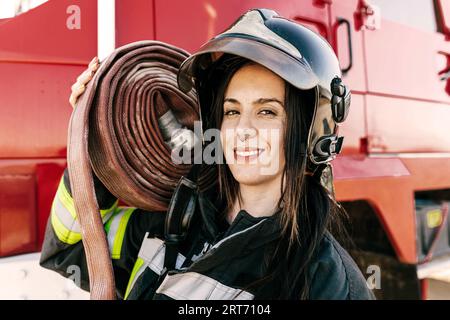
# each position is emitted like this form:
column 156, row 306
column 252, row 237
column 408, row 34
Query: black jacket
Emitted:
column 217, row 260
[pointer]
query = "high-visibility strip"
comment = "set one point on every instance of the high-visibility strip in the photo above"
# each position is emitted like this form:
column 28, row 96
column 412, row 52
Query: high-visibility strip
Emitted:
column 137, row 271
column 151, row 255
column 153, row 251
column 63, row 233
column 107, row 213
column 150, row 249
column 64, row 218
column 157, row 263
column 65, row 198
column 115, row 229
column 196, row 286
column 67, row 201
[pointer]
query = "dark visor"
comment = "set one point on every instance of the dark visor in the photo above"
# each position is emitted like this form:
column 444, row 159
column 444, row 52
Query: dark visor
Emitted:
column 294, row 71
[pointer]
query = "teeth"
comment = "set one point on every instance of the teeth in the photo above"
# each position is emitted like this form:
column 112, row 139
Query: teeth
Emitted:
column 247, row 153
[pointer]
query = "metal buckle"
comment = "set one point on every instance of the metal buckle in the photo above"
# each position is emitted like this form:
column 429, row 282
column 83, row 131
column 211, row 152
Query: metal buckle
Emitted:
column 327, row 148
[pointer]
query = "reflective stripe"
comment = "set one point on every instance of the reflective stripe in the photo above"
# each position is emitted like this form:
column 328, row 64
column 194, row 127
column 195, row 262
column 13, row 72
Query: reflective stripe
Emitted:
column 151, row 255
column 205, row 249
column 107, row 213
column 116, row 227
column 195, row 286
column 137, row 270
column 153, row 251
column 62, row 232
column 68, row 203
column 64, row 218
column 64, row 196
column 150, row 248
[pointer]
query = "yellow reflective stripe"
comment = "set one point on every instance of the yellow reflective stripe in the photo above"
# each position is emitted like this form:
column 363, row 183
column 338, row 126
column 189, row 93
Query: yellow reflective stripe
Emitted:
column 66, row 199
column 64, row 218
column 116, row 230
column 64, row 234
column 137, row 266
column 106, row 213
column 151, row 254
column 120, row 234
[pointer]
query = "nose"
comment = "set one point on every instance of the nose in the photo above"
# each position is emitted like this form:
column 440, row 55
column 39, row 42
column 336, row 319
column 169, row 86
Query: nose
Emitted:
column 245, row 133
column 244, row 129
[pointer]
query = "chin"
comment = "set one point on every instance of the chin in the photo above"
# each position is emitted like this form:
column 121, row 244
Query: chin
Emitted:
column 251, row 176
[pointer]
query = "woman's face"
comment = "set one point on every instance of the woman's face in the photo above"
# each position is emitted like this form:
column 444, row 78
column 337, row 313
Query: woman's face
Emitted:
column 252, row 130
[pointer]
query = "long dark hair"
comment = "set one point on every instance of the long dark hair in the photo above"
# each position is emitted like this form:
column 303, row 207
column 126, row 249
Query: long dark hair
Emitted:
column 305, row 206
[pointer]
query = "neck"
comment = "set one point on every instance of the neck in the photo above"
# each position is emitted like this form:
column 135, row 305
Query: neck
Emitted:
column 258, row 200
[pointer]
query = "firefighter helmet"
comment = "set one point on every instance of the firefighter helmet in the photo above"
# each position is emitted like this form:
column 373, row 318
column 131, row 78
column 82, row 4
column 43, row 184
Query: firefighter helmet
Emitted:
column 295, row 53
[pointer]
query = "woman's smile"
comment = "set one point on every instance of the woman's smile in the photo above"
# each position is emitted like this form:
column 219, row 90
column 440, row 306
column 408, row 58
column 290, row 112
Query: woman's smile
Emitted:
column 247, row 154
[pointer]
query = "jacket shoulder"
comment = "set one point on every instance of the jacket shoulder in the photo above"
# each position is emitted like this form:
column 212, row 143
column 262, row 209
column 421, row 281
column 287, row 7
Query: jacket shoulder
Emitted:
column 335, row 276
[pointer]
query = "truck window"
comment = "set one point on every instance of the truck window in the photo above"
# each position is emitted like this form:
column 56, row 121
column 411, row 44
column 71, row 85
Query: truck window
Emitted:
column 12, row 8
column 418, row 14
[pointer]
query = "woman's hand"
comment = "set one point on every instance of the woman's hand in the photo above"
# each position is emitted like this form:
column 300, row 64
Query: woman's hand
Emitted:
column 80, row 85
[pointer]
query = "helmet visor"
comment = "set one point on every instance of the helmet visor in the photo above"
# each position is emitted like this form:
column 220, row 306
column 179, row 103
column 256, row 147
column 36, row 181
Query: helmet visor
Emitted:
column 294, row 71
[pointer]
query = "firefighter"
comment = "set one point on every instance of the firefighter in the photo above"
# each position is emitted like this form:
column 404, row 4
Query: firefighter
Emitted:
column 259, row 234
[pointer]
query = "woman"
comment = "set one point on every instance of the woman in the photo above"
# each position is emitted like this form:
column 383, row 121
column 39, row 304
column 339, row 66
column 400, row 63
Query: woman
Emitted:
column 272, row 87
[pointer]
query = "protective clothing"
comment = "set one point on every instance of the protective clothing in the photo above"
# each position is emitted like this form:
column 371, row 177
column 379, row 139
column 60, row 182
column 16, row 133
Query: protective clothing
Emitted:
column 217, row 261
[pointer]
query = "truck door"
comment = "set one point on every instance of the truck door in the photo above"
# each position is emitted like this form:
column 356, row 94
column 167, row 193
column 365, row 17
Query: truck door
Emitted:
column 347, row 40
column 405, row 55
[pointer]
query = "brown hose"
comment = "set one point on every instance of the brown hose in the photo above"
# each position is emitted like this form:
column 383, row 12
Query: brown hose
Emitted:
column 114, row 132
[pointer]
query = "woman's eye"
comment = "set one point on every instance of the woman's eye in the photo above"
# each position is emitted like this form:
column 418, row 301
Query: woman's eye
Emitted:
column 267, row 112
column 230, row 112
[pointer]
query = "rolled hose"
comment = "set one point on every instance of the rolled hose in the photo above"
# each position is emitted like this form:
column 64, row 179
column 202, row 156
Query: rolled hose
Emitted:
column 114, row 134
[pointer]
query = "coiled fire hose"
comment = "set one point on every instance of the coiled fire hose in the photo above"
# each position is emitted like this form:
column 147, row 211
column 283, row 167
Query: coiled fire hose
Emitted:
column 122, row 130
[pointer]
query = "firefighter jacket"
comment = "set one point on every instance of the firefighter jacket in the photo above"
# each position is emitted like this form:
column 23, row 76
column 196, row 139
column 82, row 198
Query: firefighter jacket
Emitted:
column 216, row 261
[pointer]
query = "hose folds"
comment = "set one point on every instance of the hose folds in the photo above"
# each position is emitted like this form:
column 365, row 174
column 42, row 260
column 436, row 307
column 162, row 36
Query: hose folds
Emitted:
column 114, row 134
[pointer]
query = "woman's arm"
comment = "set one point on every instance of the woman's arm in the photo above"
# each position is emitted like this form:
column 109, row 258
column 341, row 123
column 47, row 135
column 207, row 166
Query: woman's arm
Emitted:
column 335, row 276
column 125, row 228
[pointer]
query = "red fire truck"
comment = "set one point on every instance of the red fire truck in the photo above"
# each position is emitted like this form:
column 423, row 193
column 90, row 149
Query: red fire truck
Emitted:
column 393, row 177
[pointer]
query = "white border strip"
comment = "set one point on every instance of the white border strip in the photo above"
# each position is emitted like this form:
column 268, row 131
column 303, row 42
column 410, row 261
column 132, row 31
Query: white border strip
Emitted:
column 106, row 28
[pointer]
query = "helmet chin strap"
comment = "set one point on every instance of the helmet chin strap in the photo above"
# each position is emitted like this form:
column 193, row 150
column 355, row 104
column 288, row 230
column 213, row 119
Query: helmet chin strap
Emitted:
column 323, row 173
column 179, row 215
column 327, row 179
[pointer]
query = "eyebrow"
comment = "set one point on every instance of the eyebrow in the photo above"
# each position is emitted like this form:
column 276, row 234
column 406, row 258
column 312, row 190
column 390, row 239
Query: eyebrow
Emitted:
column 258, row 101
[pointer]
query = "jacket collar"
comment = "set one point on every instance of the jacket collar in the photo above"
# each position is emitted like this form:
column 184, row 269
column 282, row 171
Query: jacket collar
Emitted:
column 259, row 229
